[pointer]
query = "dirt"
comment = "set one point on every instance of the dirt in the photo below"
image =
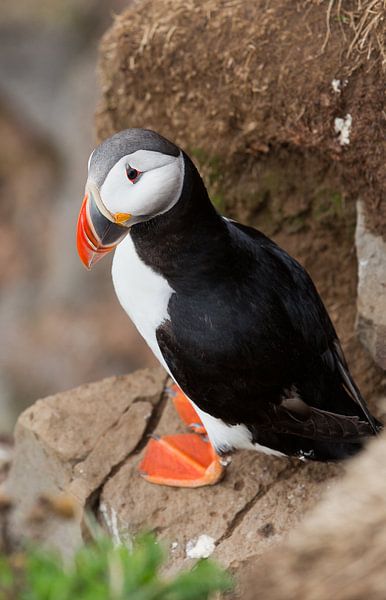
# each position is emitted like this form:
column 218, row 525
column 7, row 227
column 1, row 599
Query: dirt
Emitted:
column 235, row 79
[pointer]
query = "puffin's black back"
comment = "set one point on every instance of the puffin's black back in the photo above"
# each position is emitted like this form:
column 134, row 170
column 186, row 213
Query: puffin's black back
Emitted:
column 249, row 339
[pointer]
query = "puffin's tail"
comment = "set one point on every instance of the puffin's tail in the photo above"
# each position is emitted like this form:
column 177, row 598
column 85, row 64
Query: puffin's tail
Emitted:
column 348, row 436
column 340, row 451
column 333, row 451
column 317, row 435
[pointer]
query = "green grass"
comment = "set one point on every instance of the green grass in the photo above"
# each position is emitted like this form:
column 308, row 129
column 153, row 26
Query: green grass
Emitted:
column 102, row 571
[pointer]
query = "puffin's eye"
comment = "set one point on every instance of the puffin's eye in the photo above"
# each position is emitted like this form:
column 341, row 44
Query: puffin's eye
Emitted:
column 132, row 174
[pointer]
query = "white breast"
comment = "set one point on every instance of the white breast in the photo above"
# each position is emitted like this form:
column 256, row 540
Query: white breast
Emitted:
column 143, row 293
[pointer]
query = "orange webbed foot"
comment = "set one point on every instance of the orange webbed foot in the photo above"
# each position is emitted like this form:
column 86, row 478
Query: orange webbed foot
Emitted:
column 186, row 411
column 183, row 460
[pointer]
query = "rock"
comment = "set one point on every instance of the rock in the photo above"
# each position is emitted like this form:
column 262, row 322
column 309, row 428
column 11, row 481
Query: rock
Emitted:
column 339, row 551
column 79, row 451
column 70, row 443
column 276, row 512
column 180, row 516
column 371, row 320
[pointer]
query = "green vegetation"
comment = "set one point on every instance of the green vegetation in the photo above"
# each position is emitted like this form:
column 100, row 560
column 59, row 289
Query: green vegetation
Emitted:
column 102, row 571
column 329, row 205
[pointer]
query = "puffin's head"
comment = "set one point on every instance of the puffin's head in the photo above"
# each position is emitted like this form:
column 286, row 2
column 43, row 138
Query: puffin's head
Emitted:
column 132, row 177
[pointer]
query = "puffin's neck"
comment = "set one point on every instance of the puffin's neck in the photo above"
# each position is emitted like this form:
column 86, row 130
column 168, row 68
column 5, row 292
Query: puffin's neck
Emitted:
column 180, row 238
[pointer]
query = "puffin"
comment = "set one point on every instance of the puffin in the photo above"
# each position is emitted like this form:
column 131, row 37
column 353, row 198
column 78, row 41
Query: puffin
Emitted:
column 235, row 321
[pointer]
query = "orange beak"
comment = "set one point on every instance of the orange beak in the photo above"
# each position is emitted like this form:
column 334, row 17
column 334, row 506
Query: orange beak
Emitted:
column 96, row 234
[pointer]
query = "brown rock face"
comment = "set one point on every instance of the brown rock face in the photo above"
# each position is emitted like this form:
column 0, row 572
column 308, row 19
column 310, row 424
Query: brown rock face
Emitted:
column 232, row 80
column 85, row 445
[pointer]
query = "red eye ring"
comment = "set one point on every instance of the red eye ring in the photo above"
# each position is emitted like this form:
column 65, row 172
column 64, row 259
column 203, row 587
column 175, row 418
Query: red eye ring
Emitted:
column 132, row 174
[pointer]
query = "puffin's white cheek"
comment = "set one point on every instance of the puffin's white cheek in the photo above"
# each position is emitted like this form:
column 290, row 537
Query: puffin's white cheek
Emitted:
column 156, row 192
column 115, row 193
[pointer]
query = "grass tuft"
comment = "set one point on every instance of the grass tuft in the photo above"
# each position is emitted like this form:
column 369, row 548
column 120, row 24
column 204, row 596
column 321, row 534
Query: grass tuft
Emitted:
column 103, row 571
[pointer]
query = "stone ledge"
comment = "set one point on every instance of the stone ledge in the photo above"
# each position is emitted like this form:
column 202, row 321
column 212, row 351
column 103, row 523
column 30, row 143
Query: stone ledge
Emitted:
column 69, row 443
column 87, row 443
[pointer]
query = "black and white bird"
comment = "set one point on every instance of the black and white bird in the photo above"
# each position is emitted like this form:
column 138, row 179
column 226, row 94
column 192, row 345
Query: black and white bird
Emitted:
column 235, row 321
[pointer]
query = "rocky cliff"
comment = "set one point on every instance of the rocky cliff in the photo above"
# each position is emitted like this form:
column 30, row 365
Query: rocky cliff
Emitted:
column 77, row 454
column 281, row 106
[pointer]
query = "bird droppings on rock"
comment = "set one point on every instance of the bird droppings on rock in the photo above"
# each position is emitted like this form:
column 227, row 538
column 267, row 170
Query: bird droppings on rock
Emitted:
column 342, row 127
column 202, row 547
column 338, row 84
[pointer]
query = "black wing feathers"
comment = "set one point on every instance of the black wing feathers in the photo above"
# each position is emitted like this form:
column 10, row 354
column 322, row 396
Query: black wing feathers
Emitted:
column 308, row 316
column 350, row 385
column 319, row 425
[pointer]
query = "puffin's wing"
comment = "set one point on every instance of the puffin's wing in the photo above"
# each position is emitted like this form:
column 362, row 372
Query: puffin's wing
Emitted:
column 349, row 384
column 309, row 316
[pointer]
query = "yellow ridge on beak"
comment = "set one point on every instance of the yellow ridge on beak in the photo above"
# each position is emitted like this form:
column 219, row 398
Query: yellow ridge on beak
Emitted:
column 122, row 217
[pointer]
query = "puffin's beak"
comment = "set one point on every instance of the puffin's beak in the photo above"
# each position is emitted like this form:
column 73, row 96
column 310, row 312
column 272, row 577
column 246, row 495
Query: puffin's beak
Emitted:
column 98, row 232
